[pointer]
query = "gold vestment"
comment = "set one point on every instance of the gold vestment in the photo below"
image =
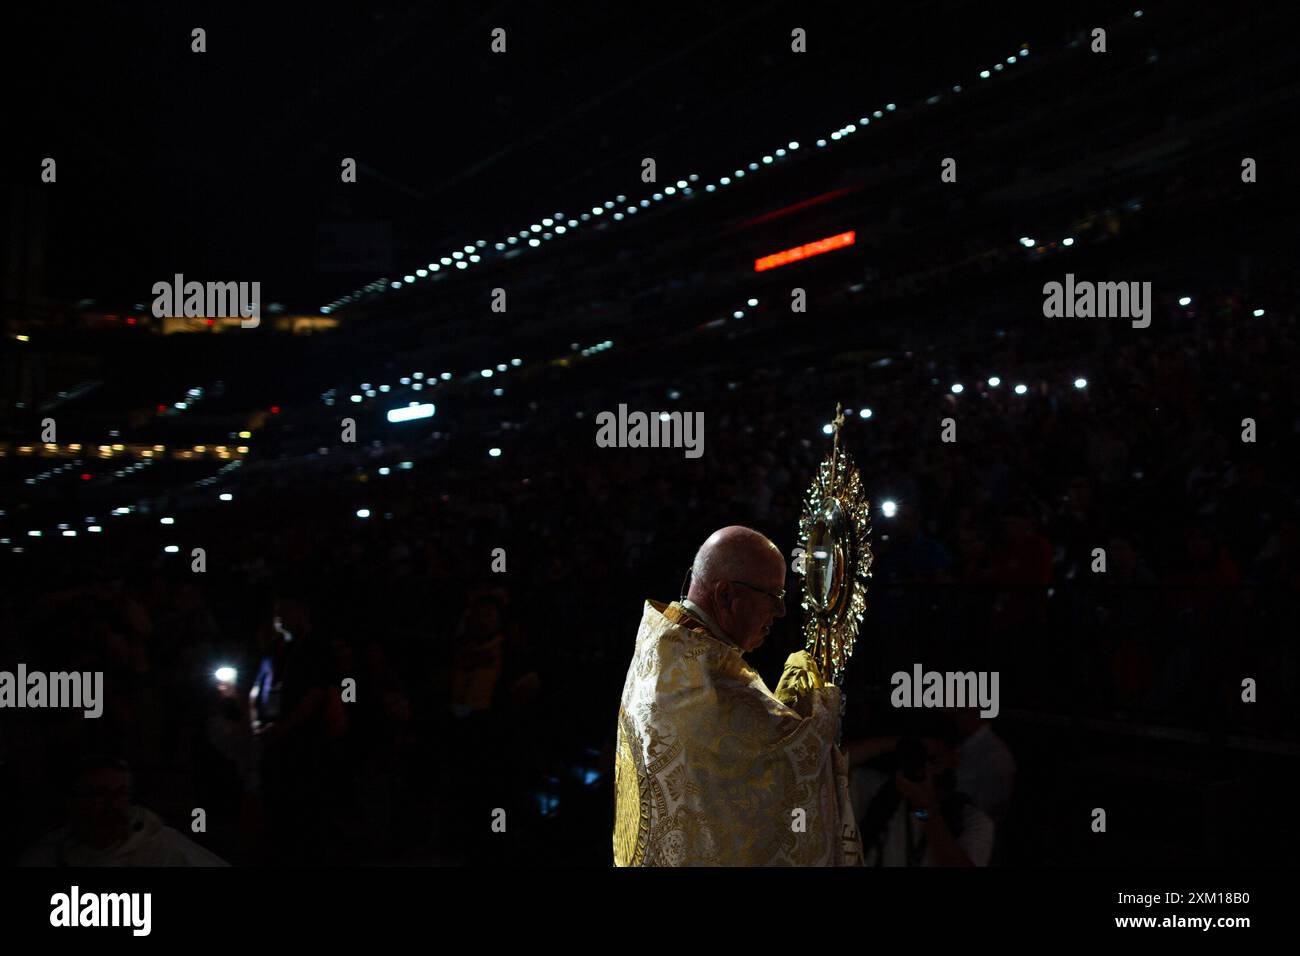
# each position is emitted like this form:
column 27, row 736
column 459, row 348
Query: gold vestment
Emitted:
column 713, row 769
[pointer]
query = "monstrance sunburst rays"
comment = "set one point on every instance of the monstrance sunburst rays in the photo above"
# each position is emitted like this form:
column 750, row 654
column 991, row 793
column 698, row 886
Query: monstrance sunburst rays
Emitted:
column 835, row 535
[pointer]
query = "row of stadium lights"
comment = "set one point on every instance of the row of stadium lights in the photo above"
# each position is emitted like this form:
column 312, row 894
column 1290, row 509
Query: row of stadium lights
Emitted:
column 417, row 381
column 93, row 526
column 554, row 226
column 110, row 451
column 147, row 458
column 544, row 228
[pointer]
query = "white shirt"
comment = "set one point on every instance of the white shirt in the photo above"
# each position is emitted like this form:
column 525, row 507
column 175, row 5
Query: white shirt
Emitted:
column 976, row 839
column 987, row 772
column 150, row 843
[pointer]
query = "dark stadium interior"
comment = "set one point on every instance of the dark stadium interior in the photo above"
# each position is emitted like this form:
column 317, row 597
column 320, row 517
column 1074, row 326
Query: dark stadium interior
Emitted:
column 1120, row 690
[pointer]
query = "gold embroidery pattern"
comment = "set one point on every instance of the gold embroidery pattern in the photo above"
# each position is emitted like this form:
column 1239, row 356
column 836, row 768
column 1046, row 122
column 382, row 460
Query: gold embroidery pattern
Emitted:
column 711, row 766
column 632, row 809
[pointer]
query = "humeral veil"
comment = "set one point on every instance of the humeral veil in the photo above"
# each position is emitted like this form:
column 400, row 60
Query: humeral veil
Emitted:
column 713, row 769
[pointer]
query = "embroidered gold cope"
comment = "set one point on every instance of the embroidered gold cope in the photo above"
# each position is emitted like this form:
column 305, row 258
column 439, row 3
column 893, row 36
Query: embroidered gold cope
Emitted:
column 714, row 769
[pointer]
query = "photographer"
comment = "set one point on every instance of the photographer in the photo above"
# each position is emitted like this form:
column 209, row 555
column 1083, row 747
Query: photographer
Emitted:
column 919, row 818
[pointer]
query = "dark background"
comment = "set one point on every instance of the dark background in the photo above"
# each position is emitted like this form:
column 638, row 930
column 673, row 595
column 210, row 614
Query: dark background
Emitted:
column 1121, row 691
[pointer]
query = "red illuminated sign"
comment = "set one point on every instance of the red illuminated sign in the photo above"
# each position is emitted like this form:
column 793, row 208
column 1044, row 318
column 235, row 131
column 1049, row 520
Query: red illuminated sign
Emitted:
column 803, row 252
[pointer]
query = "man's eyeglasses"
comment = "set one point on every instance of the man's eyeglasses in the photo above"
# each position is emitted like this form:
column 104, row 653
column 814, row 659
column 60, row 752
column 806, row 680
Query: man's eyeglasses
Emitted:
column 777, row 597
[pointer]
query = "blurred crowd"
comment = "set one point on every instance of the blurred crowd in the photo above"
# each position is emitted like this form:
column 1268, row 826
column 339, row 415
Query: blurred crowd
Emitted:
column 395, row 680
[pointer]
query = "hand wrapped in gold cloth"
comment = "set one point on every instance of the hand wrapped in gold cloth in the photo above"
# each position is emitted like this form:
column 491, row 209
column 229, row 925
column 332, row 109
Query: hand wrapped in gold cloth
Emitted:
column 799, row 679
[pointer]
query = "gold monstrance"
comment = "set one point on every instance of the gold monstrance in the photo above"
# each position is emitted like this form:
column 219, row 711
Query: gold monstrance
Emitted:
column 835, row 534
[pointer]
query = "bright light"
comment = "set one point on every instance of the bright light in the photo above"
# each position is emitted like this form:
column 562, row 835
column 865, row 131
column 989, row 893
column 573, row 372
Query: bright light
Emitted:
column 1021, row 389
column 172, row 548
column 445, row 376
column 751, row 302
column 95, row 528
column 1026, row 242
column 1067, row 241
column 69, row 534
column 494, row 452
column 1185, row 300
column 994, row 381
column 410, row 413
column 888, row 508
column 166, row 520
column 363, row 512
column 385, row 470
column 864, row 413
column 225, row 675
column 501, row 367
column 787, row 256
column 486, row 373
column 516, row 362
column 828, row 429
column 958, row 388
column 1080, row 383
column 227, row 496
column 33, row 534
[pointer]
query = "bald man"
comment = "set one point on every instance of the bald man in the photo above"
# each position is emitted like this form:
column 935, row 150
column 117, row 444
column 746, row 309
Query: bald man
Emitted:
column 712, row 768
